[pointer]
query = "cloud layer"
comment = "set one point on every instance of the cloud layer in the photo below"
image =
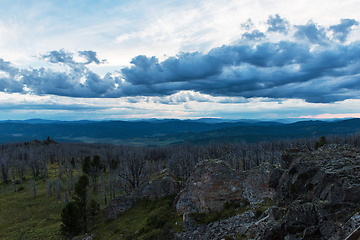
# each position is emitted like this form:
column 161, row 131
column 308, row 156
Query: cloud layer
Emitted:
column 310, row 62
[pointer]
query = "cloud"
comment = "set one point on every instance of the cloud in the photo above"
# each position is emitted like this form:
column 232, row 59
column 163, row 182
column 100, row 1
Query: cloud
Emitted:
column 6, row 67
column 59, row 57
column 9, row 83
column 275, row 70
column 197, row 67
column 253, row 36
column 248, row 25
column 235, row 100
column 277, row 24
column 184, row 67
column 67, row 59
column 312, row 32
column 328, row 71
column 34, row 106
column 183, row 97
column 91, row 57
column 342, row 30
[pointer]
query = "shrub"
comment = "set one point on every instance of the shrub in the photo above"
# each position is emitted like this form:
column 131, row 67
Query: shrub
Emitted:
column 320, row 143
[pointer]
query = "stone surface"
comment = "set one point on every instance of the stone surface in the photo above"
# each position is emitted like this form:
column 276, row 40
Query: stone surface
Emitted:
column 213, row 183
column 350, row 226
column 317, row 197
column 233, row 226
column 299, row 217
column 322, row 187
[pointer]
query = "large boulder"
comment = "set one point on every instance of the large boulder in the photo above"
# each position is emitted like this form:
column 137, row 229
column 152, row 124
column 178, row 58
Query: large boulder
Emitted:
column 214, row 182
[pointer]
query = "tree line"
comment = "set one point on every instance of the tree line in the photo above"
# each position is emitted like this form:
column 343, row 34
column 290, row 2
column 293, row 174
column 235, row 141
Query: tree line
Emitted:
column 131, row 166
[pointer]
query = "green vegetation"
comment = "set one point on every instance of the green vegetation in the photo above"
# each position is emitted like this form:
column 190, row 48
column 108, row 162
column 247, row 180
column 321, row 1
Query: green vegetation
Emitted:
column 320, row 143
column 145, row 220
column 231, row 209
column 71, row 219
column 39, row 181
column 24, row 216
column 75, row 214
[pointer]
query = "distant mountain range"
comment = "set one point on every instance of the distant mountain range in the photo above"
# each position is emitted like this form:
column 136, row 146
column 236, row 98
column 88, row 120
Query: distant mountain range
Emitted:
column 169, row 131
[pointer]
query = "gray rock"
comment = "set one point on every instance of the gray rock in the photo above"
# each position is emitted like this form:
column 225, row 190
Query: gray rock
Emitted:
column 213, row 183
column 300, row 217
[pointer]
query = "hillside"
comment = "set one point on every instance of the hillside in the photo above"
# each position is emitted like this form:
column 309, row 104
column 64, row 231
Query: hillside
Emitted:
column 170, row 131
column 166, row 192
column 304, row 129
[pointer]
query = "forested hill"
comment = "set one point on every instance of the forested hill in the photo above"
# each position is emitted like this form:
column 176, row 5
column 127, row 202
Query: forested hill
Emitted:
column 163, row 132
column 302, row 129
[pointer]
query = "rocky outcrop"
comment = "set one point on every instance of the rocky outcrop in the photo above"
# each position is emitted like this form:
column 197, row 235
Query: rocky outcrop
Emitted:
column 321, row 190
column 317, row 197
column 213, row 183
column 161, row 185
column 231, row 227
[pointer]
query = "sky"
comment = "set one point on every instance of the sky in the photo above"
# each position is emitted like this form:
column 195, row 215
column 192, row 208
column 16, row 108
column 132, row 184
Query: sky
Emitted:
column 249, row 59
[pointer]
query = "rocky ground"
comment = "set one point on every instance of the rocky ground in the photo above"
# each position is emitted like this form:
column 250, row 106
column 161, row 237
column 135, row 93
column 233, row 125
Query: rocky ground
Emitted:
column 316, row 195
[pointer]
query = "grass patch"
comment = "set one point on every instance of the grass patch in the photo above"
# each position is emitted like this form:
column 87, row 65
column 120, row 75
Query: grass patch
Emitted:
column 145, row 220
column 229, row 209
column 26, row 216
column 260, row 208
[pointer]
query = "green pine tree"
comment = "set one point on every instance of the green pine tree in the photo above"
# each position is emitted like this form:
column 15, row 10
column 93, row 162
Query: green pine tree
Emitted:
column 71, row 220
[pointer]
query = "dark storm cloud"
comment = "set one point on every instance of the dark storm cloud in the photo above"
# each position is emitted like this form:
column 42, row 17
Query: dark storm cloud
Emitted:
column 342, row 30
column 197, row 67
column 317, row 70
column 183, row 67
column 253, row 36
column 277, row 24
column 274, row 70
column 312, row 32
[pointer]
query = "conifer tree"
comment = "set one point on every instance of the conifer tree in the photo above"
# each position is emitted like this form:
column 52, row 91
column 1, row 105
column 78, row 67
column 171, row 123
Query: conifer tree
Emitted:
column 74, row 215
column 71, row 220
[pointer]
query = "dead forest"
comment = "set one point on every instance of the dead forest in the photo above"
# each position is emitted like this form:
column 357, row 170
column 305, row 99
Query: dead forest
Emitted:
column 129, row 167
